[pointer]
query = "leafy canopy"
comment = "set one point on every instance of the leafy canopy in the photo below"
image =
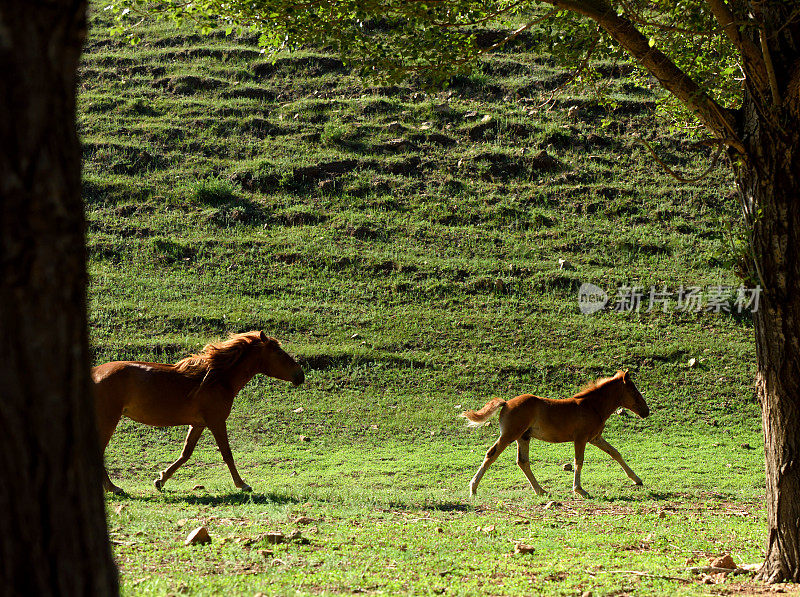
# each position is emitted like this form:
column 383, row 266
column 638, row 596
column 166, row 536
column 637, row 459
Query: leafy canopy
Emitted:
column 389, row 39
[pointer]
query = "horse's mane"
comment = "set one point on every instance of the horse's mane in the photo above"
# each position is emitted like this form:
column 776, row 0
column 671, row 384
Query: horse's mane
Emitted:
column 218, row 357
column 591, row 386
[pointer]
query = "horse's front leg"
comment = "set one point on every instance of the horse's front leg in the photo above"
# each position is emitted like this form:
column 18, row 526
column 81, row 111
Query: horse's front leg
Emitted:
column 580, row 448
column 220, row 432
column 612, row 451
column 188, row 447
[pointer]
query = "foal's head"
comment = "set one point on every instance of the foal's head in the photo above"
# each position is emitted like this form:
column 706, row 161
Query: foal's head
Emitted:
column 632, row 399
column 275, row 362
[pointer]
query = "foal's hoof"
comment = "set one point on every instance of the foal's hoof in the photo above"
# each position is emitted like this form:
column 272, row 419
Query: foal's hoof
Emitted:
column 246, row 488
column 159, row 484
column 117, row 490
column 638, row 482
column 581, row 492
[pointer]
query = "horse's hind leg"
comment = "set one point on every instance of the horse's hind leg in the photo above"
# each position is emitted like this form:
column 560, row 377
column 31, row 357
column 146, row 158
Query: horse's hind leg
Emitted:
column 220, row 432
column 523, row 462
column 611, row 451
column 491, row 455
column 107, row 418
column 188, row 447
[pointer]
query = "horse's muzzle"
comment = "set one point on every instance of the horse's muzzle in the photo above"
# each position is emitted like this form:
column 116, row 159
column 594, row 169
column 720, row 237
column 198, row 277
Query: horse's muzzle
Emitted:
column 298, row 377
column 645, row 413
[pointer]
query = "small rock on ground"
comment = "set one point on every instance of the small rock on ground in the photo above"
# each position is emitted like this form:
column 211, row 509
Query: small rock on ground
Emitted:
column 199, row 536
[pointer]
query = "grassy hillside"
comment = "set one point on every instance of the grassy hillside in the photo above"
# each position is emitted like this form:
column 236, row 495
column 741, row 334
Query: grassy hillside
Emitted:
column 405, row 245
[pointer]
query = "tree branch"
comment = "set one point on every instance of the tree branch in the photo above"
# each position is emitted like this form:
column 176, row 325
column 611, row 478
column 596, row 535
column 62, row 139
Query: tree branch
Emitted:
column 718, row 119
column 773, row 79
column 754, row 59
column 729, row 24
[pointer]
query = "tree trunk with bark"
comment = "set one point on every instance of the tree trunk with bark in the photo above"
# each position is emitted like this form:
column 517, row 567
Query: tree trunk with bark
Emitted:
column 768, row 176
column 53, row 536
column 770, row 184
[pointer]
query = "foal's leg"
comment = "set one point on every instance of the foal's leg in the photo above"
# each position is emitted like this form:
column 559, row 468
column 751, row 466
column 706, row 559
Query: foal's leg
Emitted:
column 523, row 462
column 491, row 455
column 611, row 451
column 580, row 447
column 220, row 432
column 188, row 447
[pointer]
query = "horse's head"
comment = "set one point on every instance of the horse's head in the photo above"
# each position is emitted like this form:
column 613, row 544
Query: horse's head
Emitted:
column 632, row 398
column 277, row 363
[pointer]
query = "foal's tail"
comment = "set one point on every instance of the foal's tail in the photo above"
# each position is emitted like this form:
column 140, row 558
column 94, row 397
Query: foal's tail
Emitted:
column 477, row 417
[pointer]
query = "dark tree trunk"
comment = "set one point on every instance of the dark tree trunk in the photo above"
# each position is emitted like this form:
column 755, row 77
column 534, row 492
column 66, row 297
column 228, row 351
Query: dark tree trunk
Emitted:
column 771, row 185
column 53, row 538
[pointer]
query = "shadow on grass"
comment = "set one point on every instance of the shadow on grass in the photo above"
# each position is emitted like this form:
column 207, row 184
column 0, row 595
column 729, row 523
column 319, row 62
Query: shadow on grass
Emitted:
column 667, row 496
column 225, row 499
column 434, row 507
column 280, row 499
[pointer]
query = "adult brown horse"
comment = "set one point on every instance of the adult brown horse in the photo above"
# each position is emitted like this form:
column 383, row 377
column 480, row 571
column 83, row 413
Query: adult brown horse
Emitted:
column 197, row 391
column 579, row 419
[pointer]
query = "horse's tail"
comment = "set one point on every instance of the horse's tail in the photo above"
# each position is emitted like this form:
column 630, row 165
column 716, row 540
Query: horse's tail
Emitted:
column 478, row 417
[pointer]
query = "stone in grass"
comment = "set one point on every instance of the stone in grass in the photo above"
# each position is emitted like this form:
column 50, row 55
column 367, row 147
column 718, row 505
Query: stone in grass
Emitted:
column 522, row 548
column 725, row 561
column 567, row 467
column 275, row 538
column 199, row 536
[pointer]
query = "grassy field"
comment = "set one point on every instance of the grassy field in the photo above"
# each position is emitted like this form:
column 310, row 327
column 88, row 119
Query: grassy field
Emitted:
column 405, row 246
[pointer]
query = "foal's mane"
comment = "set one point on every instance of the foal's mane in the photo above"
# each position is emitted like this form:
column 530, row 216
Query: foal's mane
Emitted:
column 591, row 386
column 217, row 358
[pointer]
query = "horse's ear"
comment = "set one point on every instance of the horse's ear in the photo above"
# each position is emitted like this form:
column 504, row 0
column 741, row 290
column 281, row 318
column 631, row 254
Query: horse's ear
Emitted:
column 263, row 336
column 626, row 377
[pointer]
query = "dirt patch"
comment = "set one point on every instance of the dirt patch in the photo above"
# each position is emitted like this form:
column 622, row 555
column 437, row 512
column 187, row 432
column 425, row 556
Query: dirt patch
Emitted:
column 755, row 588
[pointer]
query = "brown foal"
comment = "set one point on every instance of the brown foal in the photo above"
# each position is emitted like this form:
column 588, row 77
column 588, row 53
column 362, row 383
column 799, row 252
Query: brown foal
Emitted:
column 197, row 391
column 579, row 419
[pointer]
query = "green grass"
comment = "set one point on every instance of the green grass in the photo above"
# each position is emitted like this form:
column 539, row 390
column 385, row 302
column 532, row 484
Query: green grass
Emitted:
column 412, row 279
column 393, row 517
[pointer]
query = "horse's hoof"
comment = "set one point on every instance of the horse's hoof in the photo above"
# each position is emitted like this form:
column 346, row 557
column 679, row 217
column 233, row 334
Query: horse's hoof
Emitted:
column 246, row 488
column 638, row 482
column 117, row 490
column 159, row 484
column 581, row 492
